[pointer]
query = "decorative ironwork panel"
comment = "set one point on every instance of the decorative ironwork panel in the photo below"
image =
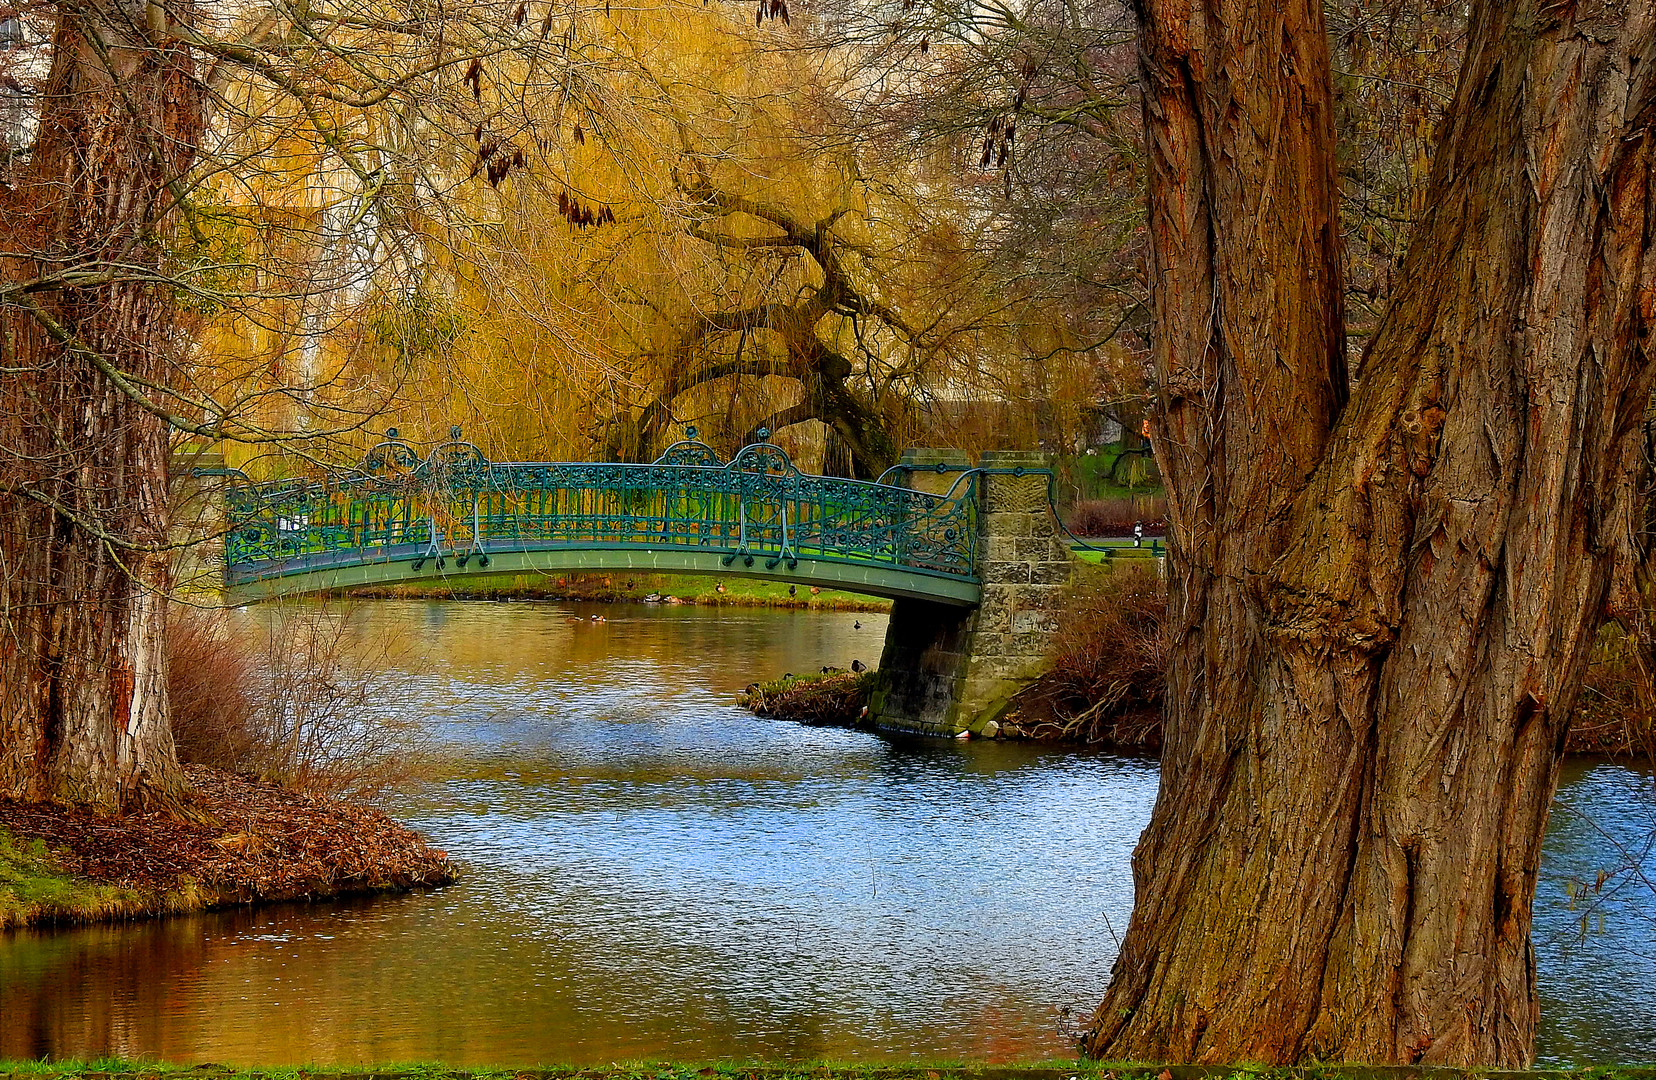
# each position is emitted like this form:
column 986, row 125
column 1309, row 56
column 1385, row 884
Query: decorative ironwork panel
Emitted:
column 455, row 504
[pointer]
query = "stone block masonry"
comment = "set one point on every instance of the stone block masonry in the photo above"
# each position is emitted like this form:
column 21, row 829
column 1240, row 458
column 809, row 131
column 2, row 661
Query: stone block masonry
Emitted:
column 945, row 669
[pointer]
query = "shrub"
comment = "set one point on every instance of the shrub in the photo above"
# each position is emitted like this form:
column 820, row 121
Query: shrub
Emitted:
column 288, row 702
column 1616, row 713
column 212, row 688
column 1109, row 663
column 1116, row 516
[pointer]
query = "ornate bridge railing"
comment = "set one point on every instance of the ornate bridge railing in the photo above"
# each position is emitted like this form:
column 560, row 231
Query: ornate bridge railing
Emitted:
column 454, row 511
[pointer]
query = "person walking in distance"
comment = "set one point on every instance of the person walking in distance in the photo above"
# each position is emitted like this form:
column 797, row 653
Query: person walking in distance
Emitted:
column 1138, row 534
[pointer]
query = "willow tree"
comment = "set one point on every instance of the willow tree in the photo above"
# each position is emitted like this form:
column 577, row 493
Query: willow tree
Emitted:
column 1382, row 596
column 697, row 257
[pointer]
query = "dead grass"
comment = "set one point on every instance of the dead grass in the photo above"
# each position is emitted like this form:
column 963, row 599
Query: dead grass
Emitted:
column 1109, row 663
column 1616, row 713
column 834, row 697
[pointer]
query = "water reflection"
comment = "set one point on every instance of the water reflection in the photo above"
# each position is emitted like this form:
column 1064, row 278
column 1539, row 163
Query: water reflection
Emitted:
column 655, row 873
column 1596, row 949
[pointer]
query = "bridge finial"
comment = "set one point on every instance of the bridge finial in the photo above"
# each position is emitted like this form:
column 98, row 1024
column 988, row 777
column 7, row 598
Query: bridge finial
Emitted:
column 454, row 431
column 690, row 432
column 391, row 433
column 764, row 434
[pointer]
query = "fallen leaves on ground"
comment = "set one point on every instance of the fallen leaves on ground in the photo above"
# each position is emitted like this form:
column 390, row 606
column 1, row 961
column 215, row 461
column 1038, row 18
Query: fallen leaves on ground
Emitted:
column 268, row 844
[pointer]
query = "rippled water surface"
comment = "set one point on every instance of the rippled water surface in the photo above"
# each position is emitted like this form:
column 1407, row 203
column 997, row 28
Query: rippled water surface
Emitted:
column 653, row 872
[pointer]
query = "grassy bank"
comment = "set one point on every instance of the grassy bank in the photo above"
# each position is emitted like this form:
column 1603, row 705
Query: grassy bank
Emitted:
column 35, row 886
column 254, row 843
column 733, row 591
column 817, row 1070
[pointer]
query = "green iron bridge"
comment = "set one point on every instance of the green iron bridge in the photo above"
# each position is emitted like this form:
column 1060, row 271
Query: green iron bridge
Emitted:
column 403, row 518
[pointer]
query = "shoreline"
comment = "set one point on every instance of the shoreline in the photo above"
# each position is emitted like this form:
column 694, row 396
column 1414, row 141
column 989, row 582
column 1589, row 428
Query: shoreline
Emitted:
column 839, row 698
column 263, row 844
column 613, row 588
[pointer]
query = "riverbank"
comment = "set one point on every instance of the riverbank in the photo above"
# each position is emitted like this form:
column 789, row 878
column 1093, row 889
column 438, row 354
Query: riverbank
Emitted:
column 732, row 591
column 260, row 843
column 1107, row 678
column 732, row 1070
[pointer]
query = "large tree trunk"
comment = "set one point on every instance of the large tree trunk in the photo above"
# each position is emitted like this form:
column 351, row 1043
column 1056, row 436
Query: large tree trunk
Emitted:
column 83, row 706
column 1380, row 613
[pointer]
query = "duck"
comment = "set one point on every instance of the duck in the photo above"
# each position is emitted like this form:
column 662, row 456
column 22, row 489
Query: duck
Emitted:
column 599, row 618
column 815, row 590
column 719, row 587
column 856, row 626
column 858, row 666
column 653, row 598
column 793, row 590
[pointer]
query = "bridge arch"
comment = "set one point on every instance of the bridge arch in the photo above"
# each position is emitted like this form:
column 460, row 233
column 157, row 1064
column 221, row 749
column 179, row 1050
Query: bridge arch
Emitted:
column 969, row 553
column 404, row 518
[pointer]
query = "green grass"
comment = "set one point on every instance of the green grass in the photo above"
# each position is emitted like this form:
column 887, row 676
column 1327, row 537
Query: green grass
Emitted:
column 738, row 591
column 1119, row 552
column 808, row 1070
column 1091, row 473
column 34, row 887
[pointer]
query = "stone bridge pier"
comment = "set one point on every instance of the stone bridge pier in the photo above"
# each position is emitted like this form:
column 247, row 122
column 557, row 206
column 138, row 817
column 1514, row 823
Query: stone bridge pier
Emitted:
column 948, row 669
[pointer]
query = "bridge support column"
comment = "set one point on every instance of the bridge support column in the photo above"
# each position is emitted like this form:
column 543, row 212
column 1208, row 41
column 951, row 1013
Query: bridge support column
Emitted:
column 946, row 670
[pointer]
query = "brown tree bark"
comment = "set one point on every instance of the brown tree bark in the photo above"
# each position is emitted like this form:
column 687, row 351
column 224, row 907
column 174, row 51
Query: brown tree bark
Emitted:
column 83, row 477
column 1381, row 610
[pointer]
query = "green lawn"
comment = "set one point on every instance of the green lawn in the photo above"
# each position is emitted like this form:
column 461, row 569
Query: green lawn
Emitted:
column 726, row 1070
column 1116, row 550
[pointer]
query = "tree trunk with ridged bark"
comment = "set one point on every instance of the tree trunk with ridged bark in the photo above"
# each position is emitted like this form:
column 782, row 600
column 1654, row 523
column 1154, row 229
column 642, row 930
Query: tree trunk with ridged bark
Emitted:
column 83, row 478
column 1380, row 609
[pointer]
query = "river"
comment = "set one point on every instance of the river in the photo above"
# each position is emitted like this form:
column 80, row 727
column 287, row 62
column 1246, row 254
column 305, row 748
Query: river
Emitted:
column 654, row 873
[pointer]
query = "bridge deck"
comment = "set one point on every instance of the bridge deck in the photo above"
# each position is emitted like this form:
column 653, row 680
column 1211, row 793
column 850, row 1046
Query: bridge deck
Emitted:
column 400, row 519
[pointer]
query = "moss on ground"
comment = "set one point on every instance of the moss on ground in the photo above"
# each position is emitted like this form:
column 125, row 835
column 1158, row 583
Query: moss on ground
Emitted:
column 34, row 886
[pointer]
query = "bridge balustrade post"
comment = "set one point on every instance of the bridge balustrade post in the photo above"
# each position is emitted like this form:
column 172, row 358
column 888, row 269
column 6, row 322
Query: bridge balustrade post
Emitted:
column 945, row 670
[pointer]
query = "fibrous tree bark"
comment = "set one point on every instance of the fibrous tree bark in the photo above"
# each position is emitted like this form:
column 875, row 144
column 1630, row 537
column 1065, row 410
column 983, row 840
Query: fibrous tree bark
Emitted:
column 1380, row 609
column 89, row 334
